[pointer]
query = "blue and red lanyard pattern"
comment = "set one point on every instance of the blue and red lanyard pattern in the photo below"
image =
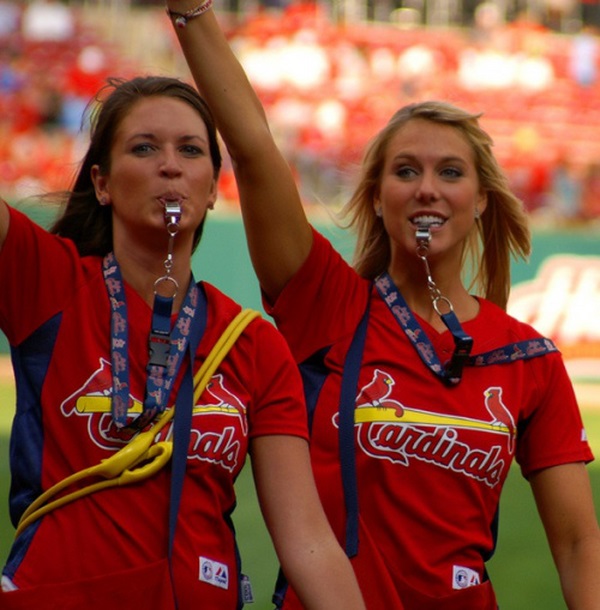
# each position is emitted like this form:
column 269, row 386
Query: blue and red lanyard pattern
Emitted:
column 167, row 348
column 451, row 372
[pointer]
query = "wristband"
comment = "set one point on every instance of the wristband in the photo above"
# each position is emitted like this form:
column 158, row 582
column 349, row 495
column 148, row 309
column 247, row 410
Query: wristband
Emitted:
column 181, row 19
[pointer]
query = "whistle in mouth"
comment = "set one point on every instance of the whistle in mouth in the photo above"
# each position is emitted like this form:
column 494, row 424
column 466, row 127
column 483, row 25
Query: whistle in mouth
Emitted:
column 423, row 235
column 172, row 214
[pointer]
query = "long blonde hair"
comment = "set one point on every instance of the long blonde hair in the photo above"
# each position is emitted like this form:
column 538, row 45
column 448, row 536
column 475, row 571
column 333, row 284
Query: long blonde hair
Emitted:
column 502, row 231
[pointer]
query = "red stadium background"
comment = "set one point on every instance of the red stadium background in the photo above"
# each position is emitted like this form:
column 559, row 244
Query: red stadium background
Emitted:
column 329, row 79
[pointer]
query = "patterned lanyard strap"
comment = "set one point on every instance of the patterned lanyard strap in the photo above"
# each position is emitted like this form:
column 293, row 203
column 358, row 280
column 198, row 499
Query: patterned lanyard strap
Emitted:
column 520, row 350
column 167, row 346
column 450, row 372
column 164, row 361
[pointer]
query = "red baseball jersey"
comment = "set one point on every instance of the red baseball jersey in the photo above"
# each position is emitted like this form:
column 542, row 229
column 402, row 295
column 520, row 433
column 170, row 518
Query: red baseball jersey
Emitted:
column 56, row 314
column 431, row 459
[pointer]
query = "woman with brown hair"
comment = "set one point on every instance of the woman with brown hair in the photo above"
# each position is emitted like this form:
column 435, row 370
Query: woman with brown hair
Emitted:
column 140, row 392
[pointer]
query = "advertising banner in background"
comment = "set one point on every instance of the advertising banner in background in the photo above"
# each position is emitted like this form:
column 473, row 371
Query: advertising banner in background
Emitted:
column 562, row 301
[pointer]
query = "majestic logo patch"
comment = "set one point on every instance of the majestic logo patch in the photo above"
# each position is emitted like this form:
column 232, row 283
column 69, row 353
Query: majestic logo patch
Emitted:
column 214, row 573
column 464, row 577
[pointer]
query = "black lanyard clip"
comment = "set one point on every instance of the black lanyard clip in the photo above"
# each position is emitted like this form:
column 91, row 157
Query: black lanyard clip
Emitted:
column 462, row 351
column 159, row 346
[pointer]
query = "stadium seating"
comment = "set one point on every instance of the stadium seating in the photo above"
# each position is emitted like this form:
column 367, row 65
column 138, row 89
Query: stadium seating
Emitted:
column 327, row 88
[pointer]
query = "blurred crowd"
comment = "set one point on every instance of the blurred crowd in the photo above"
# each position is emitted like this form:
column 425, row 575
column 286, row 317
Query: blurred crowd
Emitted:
column 51, row 65
column 327, row 88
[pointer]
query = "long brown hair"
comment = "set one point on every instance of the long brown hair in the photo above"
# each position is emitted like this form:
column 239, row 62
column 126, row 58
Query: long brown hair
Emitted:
column 86, row 222
column 502, row 231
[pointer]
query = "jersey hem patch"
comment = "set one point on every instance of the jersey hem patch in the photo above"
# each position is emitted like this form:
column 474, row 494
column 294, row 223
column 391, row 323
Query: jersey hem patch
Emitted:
column 464, row 577
column 214, row 573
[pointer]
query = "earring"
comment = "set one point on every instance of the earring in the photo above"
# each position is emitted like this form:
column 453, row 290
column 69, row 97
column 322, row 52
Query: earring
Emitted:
column 477, row 214
column 103, row 200
column 378, row 212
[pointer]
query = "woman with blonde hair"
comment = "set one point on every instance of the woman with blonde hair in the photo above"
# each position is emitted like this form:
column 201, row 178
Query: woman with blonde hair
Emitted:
column 421, row 392
column 503, row 231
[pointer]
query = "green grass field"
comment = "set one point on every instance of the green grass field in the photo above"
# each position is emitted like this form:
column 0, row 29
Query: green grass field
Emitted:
column 522, row 569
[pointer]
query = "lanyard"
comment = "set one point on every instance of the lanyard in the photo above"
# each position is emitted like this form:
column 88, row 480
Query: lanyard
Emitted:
column 348, row 394
column 167, row 347
column 451, row 372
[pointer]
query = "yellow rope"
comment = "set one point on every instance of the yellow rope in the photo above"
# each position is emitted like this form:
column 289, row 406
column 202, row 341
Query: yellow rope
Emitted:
column 141, row 457
column 223, row 345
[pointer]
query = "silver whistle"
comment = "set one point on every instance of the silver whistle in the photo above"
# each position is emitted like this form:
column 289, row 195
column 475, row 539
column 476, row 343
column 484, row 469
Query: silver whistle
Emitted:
column 172, row 216
column 423, row 235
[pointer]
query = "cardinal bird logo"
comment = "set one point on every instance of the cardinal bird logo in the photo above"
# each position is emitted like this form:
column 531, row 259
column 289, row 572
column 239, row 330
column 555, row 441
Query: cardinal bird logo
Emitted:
column 225, row 400
column 501, row 415
column 92, row 400
column 377, row 391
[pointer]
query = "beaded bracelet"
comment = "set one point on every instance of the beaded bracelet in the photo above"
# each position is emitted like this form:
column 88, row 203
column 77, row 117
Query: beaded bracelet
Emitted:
column 181, row 19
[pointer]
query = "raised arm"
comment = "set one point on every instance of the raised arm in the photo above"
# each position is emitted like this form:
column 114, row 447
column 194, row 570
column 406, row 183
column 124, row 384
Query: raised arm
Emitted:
column 278, row 233
column 4, row 219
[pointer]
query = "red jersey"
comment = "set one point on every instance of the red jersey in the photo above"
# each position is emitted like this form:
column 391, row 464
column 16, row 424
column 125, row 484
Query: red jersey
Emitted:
column 56, row 314
column 431, row 459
